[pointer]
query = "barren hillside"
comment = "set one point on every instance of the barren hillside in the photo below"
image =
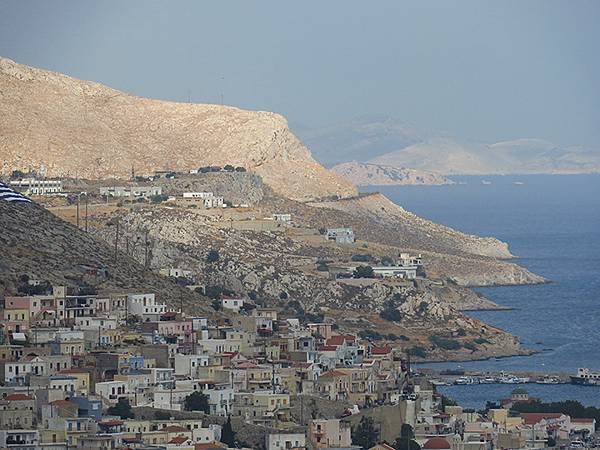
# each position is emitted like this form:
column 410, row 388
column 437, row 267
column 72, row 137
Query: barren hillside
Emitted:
column 37, row 243
column 79, row 128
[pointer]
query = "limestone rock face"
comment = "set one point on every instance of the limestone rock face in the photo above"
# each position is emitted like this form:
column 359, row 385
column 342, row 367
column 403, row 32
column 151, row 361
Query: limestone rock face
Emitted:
column 80, row 128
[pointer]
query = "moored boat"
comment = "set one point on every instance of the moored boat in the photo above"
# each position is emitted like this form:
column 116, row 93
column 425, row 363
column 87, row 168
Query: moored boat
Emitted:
column 586, row 377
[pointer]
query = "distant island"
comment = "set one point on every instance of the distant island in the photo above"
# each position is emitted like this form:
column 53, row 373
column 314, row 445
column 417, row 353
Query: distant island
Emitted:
column 367, row 174
column 386, row 141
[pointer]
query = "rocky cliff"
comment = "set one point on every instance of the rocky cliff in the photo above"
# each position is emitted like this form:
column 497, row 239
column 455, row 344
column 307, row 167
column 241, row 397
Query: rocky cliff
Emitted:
column 79, row 128
column 365, row 174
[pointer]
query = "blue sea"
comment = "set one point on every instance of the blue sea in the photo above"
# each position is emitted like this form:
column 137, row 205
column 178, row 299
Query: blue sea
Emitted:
column 552, row 224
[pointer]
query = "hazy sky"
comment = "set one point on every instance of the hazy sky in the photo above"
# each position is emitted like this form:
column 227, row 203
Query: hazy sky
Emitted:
column 476, row 69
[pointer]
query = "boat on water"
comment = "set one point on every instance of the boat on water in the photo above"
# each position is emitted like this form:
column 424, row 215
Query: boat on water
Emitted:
column 518, row 183
column 486, row 182
column 488, row 380
column 586, row 377
column 466, row 380
column 511, row 379
column 548, row 380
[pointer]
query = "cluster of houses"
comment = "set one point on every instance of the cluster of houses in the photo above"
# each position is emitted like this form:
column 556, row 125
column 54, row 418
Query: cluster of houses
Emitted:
column 68, row 360
column 455, row 428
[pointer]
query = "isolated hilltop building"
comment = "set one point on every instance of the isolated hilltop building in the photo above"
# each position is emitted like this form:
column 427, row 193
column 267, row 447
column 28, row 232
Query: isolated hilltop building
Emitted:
column 340, row 235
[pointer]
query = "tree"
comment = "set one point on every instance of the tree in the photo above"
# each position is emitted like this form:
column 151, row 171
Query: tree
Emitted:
column 17, row 174
column 228, row 168
column 216, row 304
column 363, row 272
column 390, row 312
column 197, row 401
column 122, row 409
column 213, row 256
column 406, row 440
column 240, row 169
column 227, row 433
column 162, row 415
column 365, row 434
column 159, row 198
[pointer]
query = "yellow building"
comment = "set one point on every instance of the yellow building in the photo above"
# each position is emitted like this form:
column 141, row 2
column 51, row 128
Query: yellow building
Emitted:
column 82, row 380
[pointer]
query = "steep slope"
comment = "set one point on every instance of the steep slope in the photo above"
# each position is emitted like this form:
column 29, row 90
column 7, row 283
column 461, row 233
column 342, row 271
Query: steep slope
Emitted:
column 79, row 128
column 35, row 242
column 365, row 174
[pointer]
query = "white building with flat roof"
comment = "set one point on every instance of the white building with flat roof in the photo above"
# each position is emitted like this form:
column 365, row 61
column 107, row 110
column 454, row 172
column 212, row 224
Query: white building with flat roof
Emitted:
column 32, row 186
column 144, row 305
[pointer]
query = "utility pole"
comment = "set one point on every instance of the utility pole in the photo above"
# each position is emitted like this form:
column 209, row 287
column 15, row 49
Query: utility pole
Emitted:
column 116, row 240
column 86, row 213
column 77, row 211
column 222, row 88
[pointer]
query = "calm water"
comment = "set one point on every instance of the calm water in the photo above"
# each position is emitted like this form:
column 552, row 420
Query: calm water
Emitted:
column 552, row 223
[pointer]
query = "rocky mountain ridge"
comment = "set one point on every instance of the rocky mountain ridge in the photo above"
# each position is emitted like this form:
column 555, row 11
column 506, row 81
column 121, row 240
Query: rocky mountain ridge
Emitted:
column 70, row 127
column 367, row 174
column 522, row 156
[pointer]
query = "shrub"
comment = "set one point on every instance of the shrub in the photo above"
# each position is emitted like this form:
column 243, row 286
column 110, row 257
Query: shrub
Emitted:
column 121, row 409
column 159, row 198
column 481, row 341
column 364, row 272
column 361, row 258
column 213, row 256
column 370, row 334
column 391, row 314
column 470, row 346
column 197, row 401
column 162, row 415
column 418, row 351
column 444, row 343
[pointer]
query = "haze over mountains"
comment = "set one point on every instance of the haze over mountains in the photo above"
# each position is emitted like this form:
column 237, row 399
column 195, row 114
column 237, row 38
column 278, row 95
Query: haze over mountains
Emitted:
column 388, row 142
column 80, row 128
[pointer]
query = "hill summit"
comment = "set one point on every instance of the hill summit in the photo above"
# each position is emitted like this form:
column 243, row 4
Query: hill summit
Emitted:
column 84, row 129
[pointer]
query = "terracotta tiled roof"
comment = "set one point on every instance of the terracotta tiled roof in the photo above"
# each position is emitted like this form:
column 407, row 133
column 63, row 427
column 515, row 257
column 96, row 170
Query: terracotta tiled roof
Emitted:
column 533, row 418
column 62, row 403
column 332, row 374
column 582, row 419
column 381, row 350
column 436, row 443
column 13, row 397
column 209, row 446
column 339, row 339
column 327, row 348
column 174, row 429
column 178, row 440
column 111, row 423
